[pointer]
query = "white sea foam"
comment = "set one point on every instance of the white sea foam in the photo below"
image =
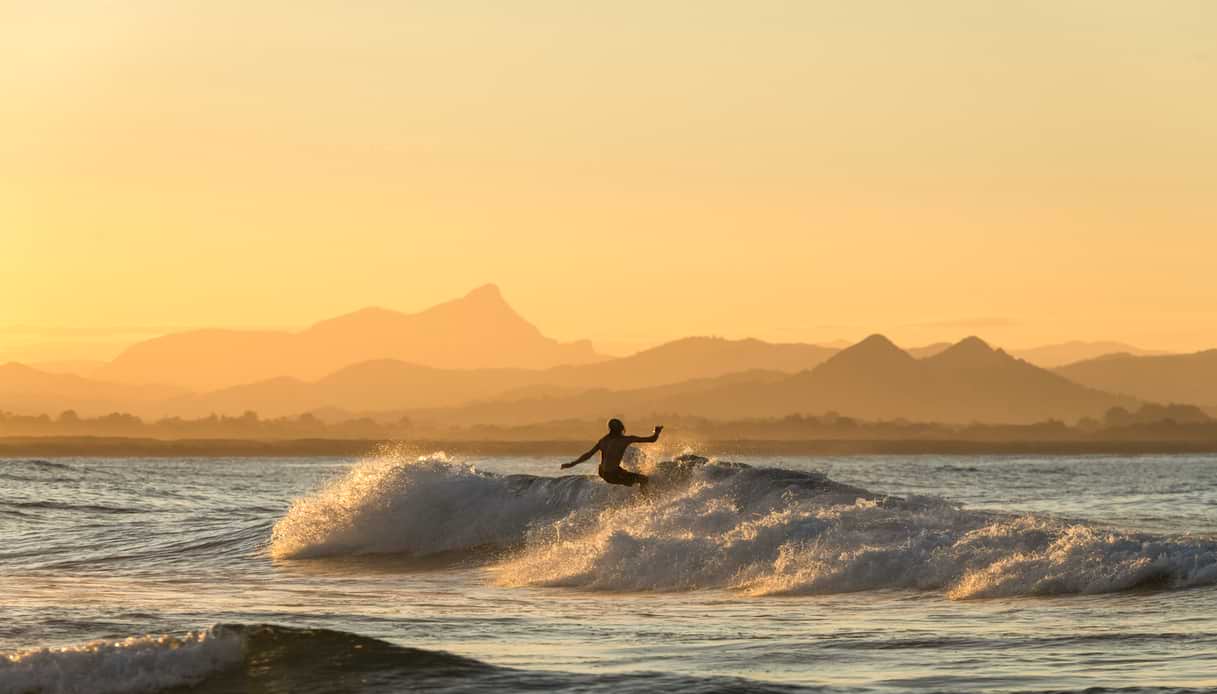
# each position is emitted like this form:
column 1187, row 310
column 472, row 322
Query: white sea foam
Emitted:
column 721, row 526
column 395, row 503
column 135, row 664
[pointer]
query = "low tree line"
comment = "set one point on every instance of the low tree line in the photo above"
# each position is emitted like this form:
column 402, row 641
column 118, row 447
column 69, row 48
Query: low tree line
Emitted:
column 246, row 426
column 1150, row 422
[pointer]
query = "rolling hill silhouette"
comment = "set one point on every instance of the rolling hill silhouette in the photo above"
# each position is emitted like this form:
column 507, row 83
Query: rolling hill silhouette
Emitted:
column 478, row 330
column 76, row 367
column 25, row 390
column 514, row 409
column 873, row 379
column 474, row 360
column 1049, row 356
column 1052, row 356
column 386, row 384
column 1181, row 378
column 371, row 386
column 709, row 377
column 969, row 381
column 690, row 358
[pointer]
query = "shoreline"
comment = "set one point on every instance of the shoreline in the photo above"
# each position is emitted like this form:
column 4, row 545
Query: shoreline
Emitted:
column 96, row 446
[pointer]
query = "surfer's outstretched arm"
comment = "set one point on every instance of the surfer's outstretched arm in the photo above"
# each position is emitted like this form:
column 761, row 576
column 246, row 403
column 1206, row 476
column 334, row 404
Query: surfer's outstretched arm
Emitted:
column 646, row 439
column 583, row 457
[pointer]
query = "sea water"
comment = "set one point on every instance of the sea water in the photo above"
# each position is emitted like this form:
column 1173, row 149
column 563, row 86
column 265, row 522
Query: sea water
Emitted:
column 417, row 570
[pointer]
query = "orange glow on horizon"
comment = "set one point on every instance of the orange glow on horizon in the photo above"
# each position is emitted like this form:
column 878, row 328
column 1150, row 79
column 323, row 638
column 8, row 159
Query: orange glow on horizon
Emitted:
column 1030, row 173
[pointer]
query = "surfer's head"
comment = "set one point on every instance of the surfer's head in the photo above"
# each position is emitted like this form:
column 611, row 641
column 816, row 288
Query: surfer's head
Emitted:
column 616, row 426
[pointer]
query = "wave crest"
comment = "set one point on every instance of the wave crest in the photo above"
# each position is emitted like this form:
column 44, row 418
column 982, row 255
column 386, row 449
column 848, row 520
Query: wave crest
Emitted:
column 271, row 658
column 425, row 506
column 134, row 664
column 719, row 525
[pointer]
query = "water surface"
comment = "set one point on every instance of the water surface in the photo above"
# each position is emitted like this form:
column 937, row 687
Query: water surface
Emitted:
column 884, row 573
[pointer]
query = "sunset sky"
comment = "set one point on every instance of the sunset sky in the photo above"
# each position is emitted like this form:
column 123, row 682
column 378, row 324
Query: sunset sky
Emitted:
column 628, row 172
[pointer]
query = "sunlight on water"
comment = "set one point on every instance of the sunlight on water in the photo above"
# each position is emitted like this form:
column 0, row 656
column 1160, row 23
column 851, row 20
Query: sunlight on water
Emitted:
column 885, row 573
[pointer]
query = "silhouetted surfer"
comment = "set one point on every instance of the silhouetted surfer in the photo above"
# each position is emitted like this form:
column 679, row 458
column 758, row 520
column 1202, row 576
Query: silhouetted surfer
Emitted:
column 612, row 449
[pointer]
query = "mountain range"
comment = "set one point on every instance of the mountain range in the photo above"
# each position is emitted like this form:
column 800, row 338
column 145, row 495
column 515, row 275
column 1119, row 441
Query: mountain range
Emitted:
column 874, row 379
column 390, row 384
column 474, row 360
column 476, row 331
column 1181, row 378
column 1051, row 356
column 28, row 390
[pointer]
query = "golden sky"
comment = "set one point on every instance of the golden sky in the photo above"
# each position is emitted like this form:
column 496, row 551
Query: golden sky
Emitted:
column 625, row 171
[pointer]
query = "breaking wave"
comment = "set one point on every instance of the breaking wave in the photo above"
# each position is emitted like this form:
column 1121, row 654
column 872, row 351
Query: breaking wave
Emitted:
column 719, row 525
column 268, row 658
column 134, row 664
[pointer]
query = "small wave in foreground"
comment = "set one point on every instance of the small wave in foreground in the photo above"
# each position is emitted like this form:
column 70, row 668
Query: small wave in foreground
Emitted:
column 245, row 658
column 134, row 664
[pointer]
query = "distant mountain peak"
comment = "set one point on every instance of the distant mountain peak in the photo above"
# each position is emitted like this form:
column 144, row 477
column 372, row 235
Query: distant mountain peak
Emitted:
column 475, row 331
column 877, row 339
column 486, row 292
column 970, row 345
column 874, row 344
column 487, row 296
column 873, row 351
column 487, row 299
column 970, row 351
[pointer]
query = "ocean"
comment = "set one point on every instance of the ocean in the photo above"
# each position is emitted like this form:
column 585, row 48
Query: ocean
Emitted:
column 414, row 570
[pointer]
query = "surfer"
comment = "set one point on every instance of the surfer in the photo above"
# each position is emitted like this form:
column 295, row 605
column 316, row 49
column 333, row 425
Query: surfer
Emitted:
column 612, row 449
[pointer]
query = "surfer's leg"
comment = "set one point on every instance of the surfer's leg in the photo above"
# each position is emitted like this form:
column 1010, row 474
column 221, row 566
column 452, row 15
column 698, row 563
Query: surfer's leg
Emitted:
column 623, row 477
column 634, row 478
column 613, row 477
